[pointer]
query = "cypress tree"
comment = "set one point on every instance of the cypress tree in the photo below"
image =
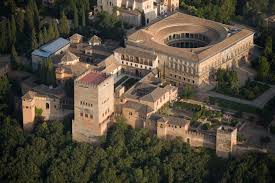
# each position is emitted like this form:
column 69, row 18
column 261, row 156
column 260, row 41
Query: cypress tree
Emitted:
column 29, row 19
column 13, row 30
column 34, row 40
column 42, row 71
column 83, row 18
column 64, row 25
column 50, row 80
column 40, row 38
column 3, row 37
column 14, row 58
column 36, row 15
column 45, row 35
column 20, row 21
column 9, row 38
column 75, row 21
column 56, row 31
column 51, row 33
column 11, row 5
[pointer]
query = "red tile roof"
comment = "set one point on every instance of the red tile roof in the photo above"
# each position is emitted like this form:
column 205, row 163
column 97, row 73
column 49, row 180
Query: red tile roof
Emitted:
column 93, row 78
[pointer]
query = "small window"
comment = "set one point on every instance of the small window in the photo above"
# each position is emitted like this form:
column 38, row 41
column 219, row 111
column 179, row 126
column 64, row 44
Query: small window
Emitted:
column 47, row 105
column 91, row 116
column 86, row 115
column 81, row 114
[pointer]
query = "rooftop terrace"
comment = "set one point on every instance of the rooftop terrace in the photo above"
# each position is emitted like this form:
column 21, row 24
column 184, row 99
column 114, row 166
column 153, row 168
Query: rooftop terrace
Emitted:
column 92, row 77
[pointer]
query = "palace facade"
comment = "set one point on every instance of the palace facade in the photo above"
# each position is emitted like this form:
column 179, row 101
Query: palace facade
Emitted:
column 138, row 12
column 187, row 49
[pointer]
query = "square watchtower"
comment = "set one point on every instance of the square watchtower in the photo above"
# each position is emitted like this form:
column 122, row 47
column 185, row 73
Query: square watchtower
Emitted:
column 93, row 105
column 225, row 140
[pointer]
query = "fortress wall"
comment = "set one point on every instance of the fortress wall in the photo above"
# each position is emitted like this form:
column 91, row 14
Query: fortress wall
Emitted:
column 198, row 139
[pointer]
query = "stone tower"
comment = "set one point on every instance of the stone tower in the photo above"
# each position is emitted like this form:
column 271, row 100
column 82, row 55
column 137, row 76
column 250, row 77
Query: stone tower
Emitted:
column 93, row 105
column 225, row 140
column 28, row 110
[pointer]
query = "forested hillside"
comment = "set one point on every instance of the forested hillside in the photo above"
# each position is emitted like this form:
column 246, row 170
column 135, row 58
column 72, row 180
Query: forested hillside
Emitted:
column 126, row 155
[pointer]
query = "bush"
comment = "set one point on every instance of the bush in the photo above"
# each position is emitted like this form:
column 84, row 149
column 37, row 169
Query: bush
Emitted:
column 272, row 129
column 265, row 140
column 206, row 126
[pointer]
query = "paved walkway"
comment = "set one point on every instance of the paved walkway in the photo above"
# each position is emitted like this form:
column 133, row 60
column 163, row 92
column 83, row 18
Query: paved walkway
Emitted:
column 259, row 102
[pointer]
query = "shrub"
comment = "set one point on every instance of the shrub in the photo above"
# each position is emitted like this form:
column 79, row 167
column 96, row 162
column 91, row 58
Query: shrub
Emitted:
column 205, row 126
column 272, row 129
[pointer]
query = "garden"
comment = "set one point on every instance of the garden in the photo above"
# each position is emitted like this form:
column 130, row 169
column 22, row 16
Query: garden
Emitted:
column 204, row 118
column 233, row 105
column 228, row 84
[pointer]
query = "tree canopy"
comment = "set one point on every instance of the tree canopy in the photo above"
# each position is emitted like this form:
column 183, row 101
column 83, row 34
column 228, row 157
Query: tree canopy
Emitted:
column 125, row 155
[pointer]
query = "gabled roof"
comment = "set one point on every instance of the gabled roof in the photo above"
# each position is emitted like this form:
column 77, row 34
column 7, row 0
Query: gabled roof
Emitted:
column 148, row 92
column 68, row 57
column 51, row 48
column 76, row 36
column 29, row 95
column 141, row 108
column 95, row 39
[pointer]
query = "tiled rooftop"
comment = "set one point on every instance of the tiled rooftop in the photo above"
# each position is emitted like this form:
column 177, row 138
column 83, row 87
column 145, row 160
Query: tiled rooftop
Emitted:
column 93, row 77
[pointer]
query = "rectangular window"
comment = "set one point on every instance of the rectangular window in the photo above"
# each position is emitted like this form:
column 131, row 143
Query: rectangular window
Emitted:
column 81, row 114
column 86, row 115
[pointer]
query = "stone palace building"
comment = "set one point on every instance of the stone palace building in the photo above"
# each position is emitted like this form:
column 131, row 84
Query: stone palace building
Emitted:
column 186, row 49
column 138, row 12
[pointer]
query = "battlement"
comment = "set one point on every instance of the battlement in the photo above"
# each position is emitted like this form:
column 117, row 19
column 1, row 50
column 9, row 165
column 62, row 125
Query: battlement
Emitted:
column 200, row 134
column 225, row 130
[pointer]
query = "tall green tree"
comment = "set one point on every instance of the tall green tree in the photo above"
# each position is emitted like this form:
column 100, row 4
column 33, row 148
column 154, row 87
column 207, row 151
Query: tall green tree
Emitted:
column 29, row 18
column 36, row 15
column 3, row 36
column 13, row 30
column 11, row 6
column 51, row 33
column 46, row 37
column 64, row 25
column 50, row 78
column 40, row 38
column 83, row 17
column 20, row 19
column 34, row 43
column 264, row 68
column 4, row 92
column 46, row 72
column 55, row 28
column 9, row 38
column 268, row 47
column 75, row 20
column 226, row 10
column 14, row 58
